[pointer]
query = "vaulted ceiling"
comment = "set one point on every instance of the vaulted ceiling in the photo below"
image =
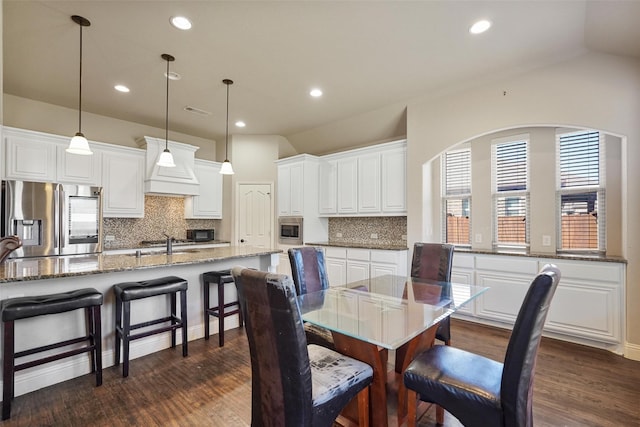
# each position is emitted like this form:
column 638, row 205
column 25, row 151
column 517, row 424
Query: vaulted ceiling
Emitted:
column 364, row 55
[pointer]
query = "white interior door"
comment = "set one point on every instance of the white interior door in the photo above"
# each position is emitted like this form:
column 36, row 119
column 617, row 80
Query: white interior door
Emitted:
column 255, row 223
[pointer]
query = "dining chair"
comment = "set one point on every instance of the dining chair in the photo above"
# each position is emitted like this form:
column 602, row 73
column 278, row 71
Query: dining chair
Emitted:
column 293, row 384
column 479, row 391
column 431, row 261
column 309, row 273
column 8, row 244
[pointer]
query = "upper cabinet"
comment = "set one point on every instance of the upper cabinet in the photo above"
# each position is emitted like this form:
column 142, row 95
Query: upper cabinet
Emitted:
column 40, row 157
column 364, row 182
column 297, row 185
column 123, row 182
column 208, row 204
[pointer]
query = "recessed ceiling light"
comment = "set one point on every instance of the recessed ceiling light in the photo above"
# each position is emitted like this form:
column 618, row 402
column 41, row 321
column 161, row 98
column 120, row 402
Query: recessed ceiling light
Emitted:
column 173, row 76
column 121, row 88
column 480, row 27
column 180, row 22
column 315, row 93
column 240, row 124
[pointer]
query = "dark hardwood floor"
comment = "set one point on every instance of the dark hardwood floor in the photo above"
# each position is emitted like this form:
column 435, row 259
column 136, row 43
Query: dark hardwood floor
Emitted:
column 575, row 386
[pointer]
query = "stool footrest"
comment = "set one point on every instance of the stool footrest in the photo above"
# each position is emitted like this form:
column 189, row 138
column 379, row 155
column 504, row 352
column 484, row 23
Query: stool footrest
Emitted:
column 54, row 357
column 51, row 346
column 155, row 322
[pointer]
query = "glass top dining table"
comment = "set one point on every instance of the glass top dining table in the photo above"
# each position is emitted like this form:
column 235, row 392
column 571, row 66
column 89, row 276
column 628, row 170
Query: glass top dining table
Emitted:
column 368, row 318
column 387, row 310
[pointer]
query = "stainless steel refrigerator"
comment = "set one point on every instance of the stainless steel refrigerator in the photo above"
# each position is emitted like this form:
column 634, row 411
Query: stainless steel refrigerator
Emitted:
column 52, row 219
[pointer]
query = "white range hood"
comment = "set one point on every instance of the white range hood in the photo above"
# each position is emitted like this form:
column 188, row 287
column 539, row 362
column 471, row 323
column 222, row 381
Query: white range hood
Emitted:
column 180, row 180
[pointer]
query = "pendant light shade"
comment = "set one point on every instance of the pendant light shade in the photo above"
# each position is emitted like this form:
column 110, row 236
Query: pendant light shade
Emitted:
column 166, row 158
column 226, row 168
column 79, row 144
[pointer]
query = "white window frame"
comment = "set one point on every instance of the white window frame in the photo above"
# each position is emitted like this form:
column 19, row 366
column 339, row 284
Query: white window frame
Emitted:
column 500, row 194
column 455, row 196
column 599, row 188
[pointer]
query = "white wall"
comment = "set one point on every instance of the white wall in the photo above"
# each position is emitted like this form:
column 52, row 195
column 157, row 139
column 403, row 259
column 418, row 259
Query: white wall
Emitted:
column 593, row 90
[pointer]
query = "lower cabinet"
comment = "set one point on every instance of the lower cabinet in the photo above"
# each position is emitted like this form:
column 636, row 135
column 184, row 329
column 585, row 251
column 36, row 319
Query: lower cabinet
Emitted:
column 588, row 306
column 346, row 265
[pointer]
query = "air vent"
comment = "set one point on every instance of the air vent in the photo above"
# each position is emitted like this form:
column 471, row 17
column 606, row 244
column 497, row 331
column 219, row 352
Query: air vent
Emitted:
column 196, row 111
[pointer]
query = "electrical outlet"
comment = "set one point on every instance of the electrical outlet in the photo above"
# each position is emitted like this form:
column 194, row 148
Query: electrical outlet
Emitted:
column 109, row 238
column 546, row 240
column 478, row 238
column 374, row 235
column 338, row 235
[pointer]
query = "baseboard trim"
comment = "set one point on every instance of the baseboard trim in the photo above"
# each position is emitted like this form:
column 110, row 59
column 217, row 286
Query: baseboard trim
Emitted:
column 632, row 351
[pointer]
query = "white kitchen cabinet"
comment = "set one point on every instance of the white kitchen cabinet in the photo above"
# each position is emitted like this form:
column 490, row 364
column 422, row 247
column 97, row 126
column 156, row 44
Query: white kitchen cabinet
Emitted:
column 123, row 182
column 208, row 204
column 588, row 306
column 394, row 180
column 346, row 265
column 293, row 182
column 327, row 189
column 29, row 156
column 347, row 188
column 42, row 157
column 78, row 169
column 369, row 183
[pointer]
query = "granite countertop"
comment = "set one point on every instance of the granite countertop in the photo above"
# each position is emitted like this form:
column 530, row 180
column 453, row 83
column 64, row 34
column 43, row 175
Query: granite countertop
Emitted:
column 383, row 246
column 162, row 244
column 23, row 269
column 568, row 256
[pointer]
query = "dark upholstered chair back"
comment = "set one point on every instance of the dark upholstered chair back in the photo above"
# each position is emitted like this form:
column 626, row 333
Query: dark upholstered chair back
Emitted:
column 308, row 269
column 280, row 371
column 520, row 358
column 7, row 245
column 432, row 261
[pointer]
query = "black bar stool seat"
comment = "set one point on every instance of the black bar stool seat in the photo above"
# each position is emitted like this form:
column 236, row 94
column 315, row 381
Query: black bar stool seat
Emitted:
column 13, row 309
column 130, row 291
column 220, row 311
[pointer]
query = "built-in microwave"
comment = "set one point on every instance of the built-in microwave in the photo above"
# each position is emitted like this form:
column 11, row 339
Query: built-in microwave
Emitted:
column 290, row 230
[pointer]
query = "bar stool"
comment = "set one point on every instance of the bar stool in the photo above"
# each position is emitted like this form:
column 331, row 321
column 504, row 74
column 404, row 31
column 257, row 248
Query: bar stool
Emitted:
column 130, row 291
column 220, row 278
column 13, row 309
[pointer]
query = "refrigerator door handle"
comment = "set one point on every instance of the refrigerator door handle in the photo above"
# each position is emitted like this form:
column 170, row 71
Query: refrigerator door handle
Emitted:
column 59, row 219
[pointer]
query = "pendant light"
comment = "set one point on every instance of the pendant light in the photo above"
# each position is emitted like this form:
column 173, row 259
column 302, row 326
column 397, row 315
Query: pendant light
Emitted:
column 79, row 144
column 166, row 159
column 226, row 168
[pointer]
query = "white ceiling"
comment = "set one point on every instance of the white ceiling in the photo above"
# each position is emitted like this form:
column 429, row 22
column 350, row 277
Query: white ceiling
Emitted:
column 365, row 55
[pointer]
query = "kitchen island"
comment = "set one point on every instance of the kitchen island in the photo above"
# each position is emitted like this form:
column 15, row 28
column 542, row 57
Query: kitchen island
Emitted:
column 46, row 275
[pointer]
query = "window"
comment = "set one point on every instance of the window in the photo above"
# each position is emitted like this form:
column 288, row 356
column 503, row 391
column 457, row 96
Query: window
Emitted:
column 510, row 166
column 580, row 191
column 456, row 189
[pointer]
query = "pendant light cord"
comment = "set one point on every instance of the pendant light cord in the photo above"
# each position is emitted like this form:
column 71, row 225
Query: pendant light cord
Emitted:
column 166, row 120
column 80, row 87
column 226, row 132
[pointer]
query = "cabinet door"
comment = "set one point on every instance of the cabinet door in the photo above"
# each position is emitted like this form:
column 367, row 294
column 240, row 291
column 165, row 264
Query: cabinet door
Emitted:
column 296, row 186
column 78, row 169
column 284, row 190
column 123, row 184
column 337, row 271
column 369, row 183
column 327, row 186
column 347, row 185
column 208, row 204
column 394, row 181
column 381, row 269
column 30, row 157
column 357, row 270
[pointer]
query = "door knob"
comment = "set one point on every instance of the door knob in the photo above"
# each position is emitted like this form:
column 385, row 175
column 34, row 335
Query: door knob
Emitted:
column 241, row 240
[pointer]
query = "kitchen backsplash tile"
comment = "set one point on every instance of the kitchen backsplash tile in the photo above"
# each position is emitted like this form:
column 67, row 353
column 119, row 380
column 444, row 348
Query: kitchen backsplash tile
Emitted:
column 382, row 230
column 161, row 215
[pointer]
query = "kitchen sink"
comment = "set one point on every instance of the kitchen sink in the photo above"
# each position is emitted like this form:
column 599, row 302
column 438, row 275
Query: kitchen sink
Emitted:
column 164, row 252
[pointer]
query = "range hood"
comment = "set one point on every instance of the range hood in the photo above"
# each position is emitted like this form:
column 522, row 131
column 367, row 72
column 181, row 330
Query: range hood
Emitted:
column 180, row 180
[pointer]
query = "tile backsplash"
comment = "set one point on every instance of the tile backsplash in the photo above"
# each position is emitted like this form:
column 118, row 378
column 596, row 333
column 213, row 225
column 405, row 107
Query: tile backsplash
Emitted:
column 161, row 215
column 383, row 230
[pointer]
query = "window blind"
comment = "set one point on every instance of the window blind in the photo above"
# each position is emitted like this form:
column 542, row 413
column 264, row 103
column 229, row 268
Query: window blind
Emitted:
column 457, row 197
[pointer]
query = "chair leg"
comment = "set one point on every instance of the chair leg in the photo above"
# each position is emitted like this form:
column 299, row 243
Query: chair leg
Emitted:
column 205, row 298
column 118, row 331
column 126, row 332
column 412, row 403
column 97, row 338
column 363, row 407
column 8, row 365
column 221, row 313
column 439, row 415
column 183, row 317
column 172, row 298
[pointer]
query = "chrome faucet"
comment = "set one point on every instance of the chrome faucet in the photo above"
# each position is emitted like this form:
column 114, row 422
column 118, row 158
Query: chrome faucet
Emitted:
column 169, row 244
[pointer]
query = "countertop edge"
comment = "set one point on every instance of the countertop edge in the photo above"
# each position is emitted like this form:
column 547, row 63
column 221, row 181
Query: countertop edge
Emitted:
column 359, row 246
